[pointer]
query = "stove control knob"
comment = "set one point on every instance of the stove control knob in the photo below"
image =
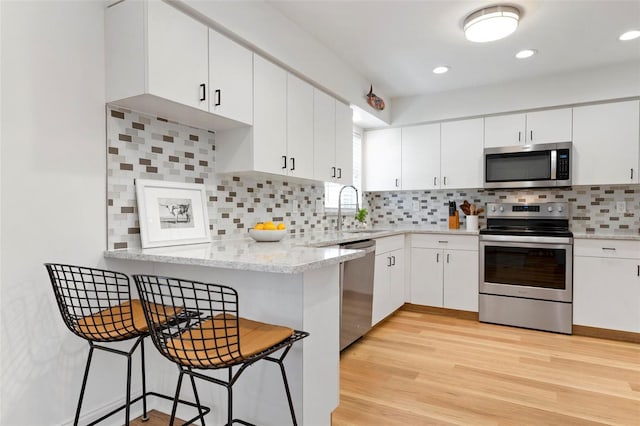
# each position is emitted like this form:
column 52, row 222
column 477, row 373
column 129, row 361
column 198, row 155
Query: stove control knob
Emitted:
column 501, row 208
column 549, row 209
column 493, row 208
column 560, row 208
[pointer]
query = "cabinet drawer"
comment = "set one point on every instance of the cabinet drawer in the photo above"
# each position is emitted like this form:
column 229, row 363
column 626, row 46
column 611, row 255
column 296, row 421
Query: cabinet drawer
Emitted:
column 387, row 244
column 621, row 249
column 445, row 241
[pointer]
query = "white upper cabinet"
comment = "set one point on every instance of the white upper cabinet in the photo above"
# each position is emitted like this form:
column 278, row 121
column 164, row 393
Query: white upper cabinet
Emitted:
column 382, row 160
column 421, row 157
column 324, row 137
column 606, row 143
column 158, row 62
column 299, row 151
column 270, row 117
column 230, row 79
column 344, row 144
column 333, row 140
column 548, row 126
column 461, row 151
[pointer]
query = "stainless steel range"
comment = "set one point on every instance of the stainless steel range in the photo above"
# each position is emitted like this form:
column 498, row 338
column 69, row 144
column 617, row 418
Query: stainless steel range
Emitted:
column 526, row 266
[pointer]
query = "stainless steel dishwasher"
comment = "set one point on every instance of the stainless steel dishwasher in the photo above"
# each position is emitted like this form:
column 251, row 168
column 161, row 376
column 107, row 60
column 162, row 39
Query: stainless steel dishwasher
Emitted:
column 356, row 292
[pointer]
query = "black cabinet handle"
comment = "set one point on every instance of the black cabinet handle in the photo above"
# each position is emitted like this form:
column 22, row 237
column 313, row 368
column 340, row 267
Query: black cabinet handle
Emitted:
column 639, row 270
column 333, row 172
column 389, row 259
column 284, row 161
column 218, row 97
column 519, row 136
column 632, row 174
column 434, row 180
column 339, row 172
column 531, row 135
column 447, row 257
column 445, row 181
column 396, row 182
column 203, row 92
column 293, row 163
column 394, row 260
column 437, row 257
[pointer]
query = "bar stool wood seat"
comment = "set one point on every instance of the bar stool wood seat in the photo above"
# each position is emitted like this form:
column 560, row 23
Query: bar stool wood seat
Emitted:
column 215, row 337
column 96, row 305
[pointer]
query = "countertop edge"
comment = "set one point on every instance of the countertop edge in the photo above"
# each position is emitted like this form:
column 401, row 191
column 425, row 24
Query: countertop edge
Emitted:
column 620, row 237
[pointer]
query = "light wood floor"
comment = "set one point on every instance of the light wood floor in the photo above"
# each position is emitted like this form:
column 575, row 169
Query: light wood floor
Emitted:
column 428, row 369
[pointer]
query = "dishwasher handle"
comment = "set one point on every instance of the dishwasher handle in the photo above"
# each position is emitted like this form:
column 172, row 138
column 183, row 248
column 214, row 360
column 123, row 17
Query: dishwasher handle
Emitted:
column 368, row 246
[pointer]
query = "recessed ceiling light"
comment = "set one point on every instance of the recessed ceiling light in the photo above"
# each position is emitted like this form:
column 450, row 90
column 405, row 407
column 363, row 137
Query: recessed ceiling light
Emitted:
column 526, row 53
column 440, row 70
column 491, row 23
column 630, row 35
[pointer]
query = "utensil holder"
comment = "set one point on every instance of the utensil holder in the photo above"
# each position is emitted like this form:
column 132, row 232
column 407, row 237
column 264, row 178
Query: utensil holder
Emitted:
column 472, row 223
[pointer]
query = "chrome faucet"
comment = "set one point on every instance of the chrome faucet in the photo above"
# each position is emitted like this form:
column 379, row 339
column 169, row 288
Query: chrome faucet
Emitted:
column 340, row 204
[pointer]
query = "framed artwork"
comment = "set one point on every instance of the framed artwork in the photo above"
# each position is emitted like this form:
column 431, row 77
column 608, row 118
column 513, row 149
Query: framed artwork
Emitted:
column 172, row 213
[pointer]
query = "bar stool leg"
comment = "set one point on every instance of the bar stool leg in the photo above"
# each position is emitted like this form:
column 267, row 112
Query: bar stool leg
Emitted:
column 230, row 399
column 175, row 400
column 195, row 393
column 145, row 417
column 84, row 384
column 286, row 388
column 128, row 400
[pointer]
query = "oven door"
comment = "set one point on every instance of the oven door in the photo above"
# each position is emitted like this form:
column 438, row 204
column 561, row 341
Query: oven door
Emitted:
column 529, row 267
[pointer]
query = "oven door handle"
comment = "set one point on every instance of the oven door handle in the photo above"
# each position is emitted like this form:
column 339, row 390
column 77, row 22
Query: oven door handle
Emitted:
column 526, row 240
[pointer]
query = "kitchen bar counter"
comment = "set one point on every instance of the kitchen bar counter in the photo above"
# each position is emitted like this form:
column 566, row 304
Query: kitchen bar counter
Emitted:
column 296, row 253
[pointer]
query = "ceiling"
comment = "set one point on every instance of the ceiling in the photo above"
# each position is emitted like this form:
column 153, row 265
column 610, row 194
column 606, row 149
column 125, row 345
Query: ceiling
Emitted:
column 396, row 44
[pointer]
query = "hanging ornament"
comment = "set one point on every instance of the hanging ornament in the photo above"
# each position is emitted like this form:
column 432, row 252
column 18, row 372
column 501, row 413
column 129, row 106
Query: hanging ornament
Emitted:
column 376, row 102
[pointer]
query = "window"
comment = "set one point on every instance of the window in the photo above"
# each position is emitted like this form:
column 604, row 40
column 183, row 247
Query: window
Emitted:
column 331, row 190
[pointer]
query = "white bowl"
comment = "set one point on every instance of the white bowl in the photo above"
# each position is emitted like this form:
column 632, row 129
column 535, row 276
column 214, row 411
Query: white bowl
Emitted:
column 265, row 235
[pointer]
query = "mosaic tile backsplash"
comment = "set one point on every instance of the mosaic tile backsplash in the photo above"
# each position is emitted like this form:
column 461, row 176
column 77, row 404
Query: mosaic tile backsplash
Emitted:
column 140, row 146
column 592, row 208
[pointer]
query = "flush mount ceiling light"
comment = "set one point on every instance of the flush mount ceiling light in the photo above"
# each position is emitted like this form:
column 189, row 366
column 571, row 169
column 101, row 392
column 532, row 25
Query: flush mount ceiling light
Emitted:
column 491, row 23
column 440, row 70
column 526, row 53
column 629, row 35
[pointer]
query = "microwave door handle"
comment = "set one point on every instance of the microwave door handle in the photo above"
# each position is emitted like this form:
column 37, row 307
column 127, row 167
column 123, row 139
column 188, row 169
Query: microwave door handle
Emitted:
column 554, row 163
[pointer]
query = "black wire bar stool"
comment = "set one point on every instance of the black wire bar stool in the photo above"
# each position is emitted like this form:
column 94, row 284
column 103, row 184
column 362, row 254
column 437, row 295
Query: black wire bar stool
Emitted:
column 96, row 305
column 217, row 339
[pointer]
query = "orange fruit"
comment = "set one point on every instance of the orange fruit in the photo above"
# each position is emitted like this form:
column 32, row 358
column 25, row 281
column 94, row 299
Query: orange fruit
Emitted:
column 269, row 226
column 281, row 226
column 259, row 226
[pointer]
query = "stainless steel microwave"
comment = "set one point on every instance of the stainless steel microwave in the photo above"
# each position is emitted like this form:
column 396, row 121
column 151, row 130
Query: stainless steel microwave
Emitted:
column 528, row 166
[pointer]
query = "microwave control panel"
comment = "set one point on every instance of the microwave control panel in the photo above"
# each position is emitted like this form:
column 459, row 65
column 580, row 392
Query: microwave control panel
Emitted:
column 562, row 168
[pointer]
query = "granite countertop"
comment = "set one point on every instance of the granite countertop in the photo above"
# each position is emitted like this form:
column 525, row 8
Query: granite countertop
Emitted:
column 294, row 254
column 617, row 234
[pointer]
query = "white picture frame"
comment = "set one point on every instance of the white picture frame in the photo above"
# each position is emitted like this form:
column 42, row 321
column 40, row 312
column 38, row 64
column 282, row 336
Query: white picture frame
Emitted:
column 172, row 213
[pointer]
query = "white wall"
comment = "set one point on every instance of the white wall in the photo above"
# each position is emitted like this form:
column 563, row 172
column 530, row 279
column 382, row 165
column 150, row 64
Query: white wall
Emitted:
column 268, row 30
column 609, row 82
column 52, row 201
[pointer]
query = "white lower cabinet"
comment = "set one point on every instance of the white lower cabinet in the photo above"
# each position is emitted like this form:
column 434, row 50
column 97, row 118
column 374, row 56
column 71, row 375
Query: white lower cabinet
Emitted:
column 444, row 271
column 388, row 281
column 606, row 284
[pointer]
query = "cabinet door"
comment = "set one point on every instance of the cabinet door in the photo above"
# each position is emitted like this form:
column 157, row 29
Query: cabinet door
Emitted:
column 426, row 276
column 605, row 143
column 461, row 280
column 396, row 280
column 299, row 128
column 606, row 293
column 344, row 144
column 324, row 137
column 549, row 126
column 178, row 56
column 382, row 160
column 381, row 288
column 461, row 154
column 269, row 117
column 504, row 130
column 230, row 79
column 421, row 157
